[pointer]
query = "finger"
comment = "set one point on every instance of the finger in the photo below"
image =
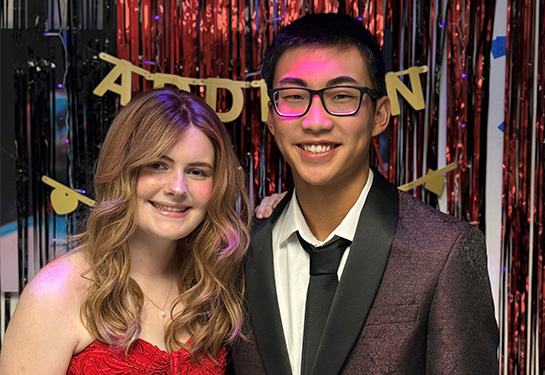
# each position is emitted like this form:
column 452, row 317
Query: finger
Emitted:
column 277, row 199
column 265, row 207
column 263, row 212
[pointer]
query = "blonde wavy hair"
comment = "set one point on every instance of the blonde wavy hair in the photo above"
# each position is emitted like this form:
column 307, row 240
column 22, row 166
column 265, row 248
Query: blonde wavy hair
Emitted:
column 210, row 274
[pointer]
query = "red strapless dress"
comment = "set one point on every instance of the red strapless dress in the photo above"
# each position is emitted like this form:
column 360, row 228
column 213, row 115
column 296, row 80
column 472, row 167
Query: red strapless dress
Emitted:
column 144, row 359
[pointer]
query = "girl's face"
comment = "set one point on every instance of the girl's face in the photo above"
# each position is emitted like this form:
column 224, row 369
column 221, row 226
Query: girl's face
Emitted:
column 173, row 191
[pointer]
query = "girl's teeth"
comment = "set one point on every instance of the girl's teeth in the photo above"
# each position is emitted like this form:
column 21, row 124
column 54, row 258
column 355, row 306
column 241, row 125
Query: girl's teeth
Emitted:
column 167, row 208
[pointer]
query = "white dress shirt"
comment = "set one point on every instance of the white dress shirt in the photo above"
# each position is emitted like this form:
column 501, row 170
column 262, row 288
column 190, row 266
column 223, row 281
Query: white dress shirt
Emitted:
column 292, row 266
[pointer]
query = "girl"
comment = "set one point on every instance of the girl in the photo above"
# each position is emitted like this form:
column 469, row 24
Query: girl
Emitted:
column 155, row 286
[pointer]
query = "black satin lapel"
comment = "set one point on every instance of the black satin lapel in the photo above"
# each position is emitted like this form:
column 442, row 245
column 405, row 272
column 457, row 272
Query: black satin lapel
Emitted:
column 261, row 294
column 361, row 276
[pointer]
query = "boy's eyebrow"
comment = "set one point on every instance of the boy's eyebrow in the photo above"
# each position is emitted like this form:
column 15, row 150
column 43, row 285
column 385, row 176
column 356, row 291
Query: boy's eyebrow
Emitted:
column 302, row 83
column 293, row 81
column 340, row 80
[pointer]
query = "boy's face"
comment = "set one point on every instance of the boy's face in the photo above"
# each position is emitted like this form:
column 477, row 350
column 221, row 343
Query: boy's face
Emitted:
column 322, row 149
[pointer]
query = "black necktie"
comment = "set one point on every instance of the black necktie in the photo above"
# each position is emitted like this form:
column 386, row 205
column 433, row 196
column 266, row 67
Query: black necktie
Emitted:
column 324, row 263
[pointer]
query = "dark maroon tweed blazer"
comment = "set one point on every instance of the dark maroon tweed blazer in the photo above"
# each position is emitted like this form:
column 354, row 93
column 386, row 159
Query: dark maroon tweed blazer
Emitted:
column 414, row 297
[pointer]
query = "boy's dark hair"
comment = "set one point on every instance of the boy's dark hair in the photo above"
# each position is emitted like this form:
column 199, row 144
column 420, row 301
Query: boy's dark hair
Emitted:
column 327, row 30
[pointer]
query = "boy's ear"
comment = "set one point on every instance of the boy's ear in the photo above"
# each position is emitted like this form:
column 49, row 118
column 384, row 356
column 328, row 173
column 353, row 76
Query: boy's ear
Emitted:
column 270, row 119
column 382, row 115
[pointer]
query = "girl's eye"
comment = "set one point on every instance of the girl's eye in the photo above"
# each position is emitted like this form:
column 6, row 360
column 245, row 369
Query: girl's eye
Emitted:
column 198, row 173
column 156, row 165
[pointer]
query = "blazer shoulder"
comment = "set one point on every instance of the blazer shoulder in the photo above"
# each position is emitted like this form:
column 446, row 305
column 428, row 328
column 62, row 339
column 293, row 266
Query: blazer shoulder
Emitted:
column 420, row 213
column 419, row 220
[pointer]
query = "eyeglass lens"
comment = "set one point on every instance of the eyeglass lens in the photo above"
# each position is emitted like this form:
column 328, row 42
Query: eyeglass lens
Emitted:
column 337, row 100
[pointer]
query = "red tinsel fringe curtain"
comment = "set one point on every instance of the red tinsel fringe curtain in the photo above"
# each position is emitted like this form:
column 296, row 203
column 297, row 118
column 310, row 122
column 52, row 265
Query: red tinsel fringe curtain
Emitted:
column 227, row 38
column 469, row 45
column 524, row 189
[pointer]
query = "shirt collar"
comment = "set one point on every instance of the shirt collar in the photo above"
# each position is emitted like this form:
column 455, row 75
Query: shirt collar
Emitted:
column 292, row 220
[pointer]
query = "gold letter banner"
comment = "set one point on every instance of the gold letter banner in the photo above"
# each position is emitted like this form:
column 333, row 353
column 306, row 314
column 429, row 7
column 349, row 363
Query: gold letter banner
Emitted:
column 124, row 69
column 433, row 181
column 65, row 200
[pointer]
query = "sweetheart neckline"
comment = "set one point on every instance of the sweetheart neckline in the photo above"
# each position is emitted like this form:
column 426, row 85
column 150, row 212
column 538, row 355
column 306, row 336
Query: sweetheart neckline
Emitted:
column 143, row 358
column 143, row 342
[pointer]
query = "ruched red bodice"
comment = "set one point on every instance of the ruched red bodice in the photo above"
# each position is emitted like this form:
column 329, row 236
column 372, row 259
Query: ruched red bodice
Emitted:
column 143, row 359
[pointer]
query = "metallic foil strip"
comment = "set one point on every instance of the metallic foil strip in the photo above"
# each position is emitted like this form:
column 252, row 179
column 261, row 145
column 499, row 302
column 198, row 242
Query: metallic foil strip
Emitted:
column 523, row 189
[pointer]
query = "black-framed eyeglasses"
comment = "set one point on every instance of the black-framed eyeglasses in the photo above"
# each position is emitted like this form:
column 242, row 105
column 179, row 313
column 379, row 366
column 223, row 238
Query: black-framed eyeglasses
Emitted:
column 337, row 100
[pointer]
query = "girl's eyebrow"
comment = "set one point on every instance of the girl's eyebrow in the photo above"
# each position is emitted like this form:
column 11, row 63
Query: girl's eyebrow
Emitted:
column 165, row 158
column 202, row 164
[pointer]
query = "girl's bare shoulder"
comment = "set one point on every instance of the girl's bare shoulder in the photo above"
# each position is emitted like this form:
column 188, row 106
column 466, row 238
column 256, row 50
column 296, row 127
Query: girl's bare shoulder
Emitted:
column 62, row 281
column 46, row 323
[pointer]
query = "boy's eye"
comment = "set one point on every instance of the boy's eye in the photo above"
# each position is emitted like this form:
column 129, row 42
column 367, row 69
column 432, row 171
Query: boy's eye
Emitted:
column 342, row 96
column 292, row 97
